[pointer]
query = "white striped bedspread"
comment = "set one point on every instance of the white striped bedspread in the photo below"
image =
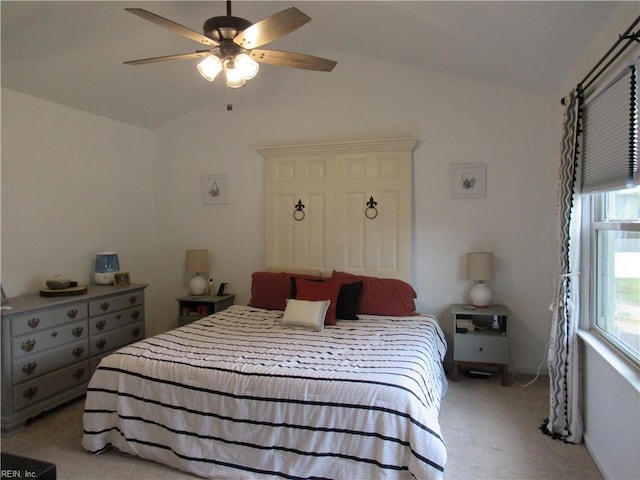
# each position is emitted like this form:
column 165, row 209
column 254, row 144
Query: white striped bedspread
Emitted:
column 235, row 395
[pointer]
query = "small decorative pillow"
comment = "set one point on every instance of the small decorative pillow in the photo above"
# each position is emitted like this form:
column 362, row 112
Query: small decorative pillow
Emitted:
column 305, row 314
column 310, row 290
column 347, row 306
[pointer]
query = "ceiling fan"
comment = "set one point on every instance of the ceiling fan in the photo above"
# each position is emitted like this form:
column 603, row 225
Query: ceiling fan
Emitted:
column 233, row 45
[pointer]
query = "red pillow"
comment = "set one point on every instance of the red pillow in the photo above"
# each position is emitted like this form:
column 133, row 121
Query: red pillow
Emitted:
column 270, row 290
column 382, row 296
column 329, row 290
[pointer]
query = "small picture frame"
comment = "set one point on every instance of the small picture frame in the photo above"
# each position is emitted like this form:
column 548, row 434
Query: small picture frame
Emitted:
column 468, row 180
column 121, row 278
column 214, row 189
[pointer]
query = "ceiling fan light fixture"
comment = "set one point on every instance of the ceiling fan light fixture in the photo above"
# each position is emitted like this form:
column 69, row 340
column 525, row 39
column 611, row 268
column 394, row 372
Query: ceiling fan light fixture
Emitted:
column 210, row 67
column 246, row 65
column 234, row 77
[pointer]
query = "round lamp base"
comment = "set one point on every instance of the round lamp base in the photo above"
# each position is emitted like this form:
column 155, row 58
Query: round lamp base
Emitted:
column 197, row 286
column 480, row 295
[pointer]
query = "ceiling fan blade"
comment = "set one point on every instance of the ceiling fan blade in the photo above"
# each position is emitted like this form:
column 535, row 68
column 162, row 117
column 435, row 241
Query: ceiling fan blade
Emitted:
column 293, row 60
column 173, row 26
column 271, row 28
column 181, row 56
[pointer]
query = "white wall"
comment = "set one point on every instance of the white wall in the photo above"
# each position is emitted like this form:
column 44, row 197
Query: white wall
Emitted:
column 611, row 389
column 455, row 120
column 73, row 184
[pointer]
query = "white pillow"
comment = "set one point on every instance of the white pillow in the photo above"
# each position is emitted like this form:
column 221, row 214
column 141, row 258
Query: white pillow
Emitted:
column 305, row 314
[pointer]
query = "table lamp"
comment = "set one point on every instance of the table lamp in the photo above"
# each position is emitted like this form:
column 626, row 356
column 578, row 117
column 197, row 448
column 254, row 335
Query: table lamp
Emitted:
column 197, row 261
column 480, row 269
column 106, row 265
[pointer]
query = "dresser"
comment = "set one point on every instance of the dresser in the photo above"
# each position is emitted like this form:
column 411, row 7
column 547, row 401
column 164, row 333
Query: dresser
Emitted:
column 52, row 345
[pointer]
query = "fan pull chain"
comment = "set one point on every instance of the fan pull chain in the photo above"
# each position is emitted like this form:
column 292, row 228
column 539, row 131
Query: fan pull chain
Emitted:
column 229, row 104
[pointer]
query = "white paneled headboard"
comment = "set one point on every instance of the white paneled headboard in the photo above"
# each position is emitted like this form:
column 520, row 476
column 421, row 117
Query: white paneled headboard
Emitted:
column 340, row 206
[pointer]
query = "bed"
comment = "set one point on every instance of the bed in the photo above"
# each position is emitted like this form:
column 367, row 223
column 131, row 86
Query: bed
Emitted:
column 244, row 394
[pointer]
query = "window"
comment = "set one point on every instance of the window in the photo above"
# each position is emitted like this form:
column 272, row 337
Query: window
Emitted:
column 615, row 268
column 610, row 287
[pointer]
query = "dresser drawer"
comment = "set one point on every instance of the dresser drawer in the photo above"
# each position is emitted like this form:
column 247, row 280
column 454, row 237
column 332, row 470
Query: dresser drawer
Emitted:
column 38, row 321
column 54, row 337
column 32, row 322
column 70, row 313
column 46, row 386
column 470, row 347
column 116, row 338
column 32, row 366
column 119, row 319
column 115, row 303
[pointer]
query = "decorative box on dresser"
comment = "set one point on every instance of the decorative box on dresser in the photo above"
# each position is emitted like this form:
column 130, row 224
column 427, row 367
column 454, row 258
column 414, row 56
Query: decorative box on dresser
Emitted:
column 52, row 345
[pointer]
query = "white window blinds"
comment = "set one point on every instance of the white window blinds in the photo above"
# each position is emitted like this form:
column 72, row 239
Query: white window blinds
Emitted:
column 610, row 135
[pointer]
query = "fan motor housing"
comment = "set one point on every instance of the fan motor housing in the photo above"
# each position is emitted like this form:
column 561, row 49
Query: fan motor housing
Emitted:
column 224, row 27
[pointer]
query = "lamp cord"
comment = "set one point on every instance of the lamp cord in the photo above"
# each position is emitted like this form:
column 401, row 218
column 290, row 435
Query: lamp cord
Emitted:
column 513, row 377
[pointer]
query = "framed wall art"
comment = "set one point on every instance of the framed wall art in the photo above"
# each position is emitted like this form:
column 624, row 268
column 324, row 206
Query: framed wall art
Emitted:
column 468, row 180
column 214, row 189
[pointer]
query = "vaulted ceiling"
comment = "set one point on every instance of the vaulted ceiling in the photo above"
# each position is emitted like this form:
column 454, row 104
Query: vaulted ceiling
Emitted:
column 72, row 52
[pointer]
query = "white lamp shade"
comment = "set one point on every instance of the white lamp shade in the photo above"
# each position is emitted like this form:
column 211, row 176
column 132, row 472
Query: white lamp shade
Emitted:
column 480, row 266
column 197, row 260
column 210, row 67
column 234, row 77
column 246, row 65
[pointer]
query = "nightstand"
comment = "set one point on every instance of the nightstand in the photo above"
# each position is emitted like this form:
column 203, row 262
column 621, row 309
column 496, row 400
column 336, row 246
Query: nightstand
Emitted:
column 193, row 308
column 480, row 338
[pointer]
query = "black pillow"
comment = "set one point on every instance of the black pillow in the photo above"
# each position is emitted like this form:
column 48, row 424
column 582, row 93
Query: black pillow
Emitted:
column 347, row 305
column 348, row 301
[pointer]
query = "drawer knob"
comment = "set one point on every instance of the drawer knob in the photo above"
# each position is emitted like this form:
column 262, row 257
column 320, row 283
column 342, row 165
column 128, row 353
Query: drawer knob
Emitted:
column 33, row 322
column 135, row 314
column 480, row 349
column 28, row 345
column 29, row 368
column 78, row 374
column 77, row 352
column 54, row 334
column 100, row 324
column 101, row 343
column 30, row 392
column 104, row 306
column 135, row 332
column 77, row 332
column 73, row 313
column 132, row 299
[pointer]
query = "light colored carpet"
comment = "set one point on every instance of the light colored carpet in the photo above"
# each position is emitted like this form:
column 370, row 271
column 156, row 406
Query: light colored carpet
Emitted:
column 491, row 432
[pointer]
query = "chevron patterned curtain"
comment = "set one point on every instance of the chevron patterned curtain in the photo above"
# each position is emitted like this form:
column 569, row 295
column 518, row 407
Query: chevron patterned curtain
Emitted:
column 563, row 360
